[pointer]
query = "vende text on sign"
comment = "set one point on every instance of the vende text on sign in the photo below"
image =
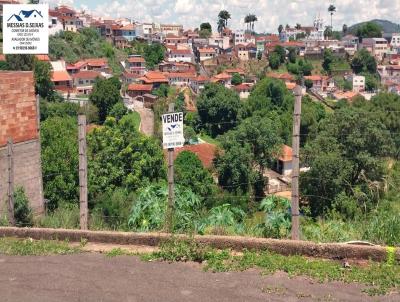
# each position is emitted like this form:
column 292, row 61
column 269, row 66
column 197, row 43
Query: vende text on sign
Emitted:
column 26, row 28
column 173, row 130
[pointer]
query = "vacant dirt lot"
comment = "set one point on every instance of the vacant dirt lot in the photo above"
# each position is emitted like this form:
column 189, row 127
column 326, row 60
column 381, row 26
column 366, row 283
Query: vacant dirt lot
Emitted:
column 95, row 277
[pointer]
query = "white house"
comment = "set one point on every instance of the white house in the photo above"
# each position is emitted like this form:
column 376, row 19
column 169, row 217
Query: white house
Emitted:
column 206, row 53
column 358, row 83
column 180, row 55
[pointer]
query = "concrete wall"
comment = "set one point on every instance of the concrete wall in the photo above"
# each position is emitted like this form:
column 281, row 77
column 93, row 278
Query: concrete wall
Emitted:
column 27, row 174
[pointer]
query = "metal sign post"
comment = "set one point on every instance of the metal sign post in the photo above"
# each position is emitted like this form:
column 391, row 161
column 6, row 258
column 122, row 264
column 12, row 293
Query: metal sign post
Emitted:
column 172, row 137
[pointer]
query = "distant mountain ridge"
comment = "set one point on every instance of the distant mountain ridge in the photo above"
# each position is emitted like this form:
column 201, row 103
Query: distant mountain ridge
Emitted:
column 388, row 27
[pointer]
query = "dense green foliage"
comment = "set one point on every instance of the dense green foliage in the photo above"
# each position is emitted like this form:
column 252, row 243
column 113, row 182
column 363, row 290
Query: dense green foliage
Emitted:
column 363, row 61
column 218, row 109
column 152, row 53
column 22, row 212
column 105, row 95
column 120, row 156
column 368, row 30
column 190, row 173
column 236, row 79
column 60, row 160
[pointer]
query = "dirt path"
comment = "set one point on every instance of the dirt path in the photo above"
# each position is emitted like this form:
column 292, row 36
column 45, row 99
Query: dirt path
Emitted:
column 146, row 121
column 94, row 277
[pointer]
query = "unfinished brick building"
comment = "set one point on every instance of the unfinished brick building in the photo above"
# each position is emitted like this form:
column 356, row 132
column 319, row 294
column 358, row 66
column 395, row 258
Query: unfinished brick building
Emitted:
column 19, row 121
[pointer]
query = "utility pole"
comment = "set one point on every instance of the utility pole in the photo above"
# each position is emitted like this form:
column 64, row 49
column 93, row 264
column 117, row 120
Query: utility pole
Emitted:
column 10, row 193
column 83, row 192
column 171, row 193
column 296, row 162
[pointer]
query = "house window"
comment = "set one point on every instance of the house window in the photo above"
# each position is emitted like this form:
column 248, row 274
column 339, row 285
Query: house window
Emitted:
column 80, row 82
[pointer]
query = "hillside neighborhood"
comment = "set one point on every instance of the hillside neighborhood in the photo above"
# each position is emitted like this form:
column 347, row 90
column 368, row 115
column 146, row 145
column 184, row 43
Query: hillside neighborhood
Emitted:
column 294, row 128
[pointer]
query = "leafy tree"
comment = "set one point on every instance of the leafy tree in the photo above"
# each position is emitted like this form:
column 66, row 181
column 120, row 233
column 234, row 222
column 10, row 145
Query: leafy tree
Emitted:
column 205, row 33
column 234, row 168
column 328, row 60
column 363, row 61
column 206, row 26
column 308, row 84
column 369, row 30
column 218, row 108
column 331, row 10
column 22, row 212
column 345, row 157
column 20, row 62
column 105, row 95
column 268, row 94
column 221, row 25
column 118, row 111
column 162, row 91
column 236, row 79
column 274, row 60
column 120, row 156
column 281, row 52
column 224, row 15
column 116, row 82
column 43, row 84
column 292, row 54
column 371, row 81
column 59, row 141
column 180, row 104
column 60, row 109
column 190, row 173
column 153, row 54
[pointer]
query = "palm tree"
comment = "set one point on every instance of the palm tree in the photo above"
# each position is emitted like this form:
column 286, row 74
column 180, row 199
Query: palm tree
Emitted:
column 224, row 15
column 331, row 10
column 221, row 25
column 280, row 28
column 298, row 26
column 253, row 19
column 247, row 21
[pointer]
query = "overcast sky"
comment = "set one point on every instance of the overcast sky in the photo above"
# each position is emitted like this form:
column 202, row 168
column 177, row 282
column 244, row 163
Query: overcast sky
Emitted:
column 270, row 13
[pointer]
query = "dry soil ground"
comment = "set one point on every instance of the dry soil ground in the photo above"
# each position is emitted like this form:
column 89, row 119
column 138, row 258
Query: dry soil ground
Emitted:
column 96, row 277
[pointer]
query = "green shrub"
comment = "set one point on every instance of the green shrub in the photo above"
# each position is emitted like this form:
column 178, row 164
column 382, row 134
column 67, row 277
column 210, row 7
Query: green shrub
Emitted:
column 149, row 210
column 277, row 222
column 22, row 212
column 383, row 227
column 66, row 216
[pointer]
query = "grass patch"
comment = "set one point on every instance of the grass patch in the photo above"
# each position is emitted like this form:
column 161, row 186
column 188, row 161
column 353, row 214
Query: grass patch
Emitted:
column 30, row 247
column 209, row 139
column 380, row 278
column 115, row 252
column 136, row 119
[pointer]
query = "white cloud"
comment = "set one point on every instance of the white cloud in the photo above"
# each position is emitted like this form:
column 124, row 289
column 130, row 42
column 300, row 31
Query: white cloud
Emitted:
column 270, row 13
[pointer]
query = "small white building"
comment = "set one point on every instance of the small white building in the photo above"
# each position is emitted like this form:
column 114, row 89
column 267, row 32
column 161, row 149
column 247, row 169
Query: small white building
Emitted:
column 358, row 83
column 180, row 55
column 206, row 53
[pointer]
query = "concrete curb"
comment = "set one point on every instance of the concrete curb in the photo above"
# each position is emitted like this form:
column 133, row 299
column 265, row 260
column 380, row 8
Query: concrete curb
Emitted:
column 284, row 247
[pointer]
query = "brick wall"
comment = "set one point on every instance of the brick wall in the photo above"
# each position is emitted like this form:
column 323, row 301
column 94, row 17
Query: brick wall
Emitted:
column 18, row 120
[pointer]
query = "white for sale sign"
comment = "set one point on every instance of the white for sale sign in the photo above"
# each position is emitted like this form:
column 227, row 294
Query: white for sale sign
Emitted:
column 173, row 130
column 26, row 28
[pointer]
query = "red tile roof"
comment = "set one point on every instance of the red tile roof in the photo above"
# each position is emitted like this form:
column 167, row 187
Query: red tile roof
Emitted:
column 181, row 75
column 202, row 78
column 59, row 76
column 129, row 27
column 140, row 87
column 234, row 70
column 154, row 77
column 286, row 153
column 97, row 62
column 136, row 60
column 206, row 50
column 86, row 74
column 181, row 51
column 242, row 87
column 77, row 65
column 223, row 76
column 131, row 75
column 44, row 58
column 281, row 76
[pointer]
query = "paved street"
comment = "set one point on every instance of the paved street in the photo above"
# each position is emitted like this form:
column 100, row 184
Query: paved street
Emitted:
column 94, row 277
